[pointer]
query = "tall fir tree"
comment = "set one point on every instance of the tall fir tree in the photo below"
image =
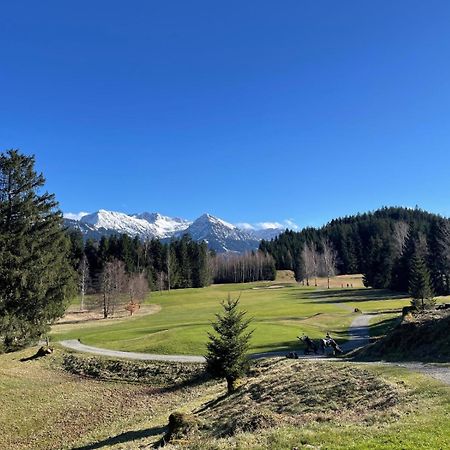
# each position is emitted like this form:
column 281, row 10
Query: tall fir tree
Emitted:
column 36, row 275
column 228, row 346
column 419, row 284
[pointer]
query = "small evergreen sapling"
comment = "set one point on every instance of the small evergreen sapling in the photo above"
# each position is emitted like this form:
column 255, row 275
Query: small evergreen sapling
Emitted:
column 227, row 347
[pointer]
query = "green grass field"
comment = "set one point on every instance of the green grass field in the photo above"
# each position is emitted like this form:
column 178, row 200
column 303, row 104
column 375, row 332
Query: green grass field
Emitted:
column 279, row 315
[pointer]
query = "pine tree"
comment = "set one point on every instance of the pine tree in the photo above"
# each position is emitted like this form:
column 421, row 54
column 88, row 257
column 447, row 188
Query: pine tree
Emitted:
column 227, row 348
column 419, row 284
column 36, row 277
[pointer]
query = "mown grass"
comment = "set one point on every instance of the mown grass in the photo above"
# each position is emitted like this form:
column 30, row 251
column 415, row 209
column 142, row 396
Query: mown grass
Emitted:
column 279, row 315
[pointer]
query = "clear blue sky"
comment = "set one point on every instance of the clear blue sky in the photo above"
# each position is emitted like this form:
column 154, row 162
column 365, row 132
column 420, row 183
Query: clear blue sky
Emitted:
column 251, row 110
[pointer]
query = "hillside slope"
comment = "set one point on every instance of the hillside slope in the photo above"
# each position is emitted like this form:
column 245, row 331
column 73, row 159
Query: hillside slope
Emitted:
column 425, row 337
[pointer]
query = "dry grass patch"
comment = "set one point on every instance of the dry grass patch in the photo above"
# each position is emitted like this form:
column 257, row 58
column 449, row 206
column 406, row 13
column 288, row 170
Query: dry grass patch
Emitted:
column 297, row 393
column 47, row 408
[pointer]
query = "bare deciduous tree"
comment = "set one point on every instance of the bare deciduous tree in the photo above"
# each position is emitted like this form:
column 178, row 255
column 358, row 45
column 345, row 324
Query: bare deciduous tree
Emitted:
column 329, row 257
column 112, row 282
column 315, row 261
column 243, row 268
column 400, row 234
column 137, row 287
column 161, row 280
column 83, row 271
column 307, row 262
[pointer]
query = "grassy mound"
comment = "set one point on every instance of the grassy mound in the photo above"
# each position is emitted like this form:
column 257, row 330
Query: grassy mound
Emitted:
column 150, row 372
column 296, row 393
column 423, row 337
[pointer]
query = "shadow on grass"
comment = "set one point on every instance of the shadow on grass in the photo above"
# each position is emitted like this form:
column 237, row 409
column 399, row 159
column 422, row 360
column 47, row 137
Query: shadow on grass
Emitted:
column 123, row 438
column 211, row 403
column 382, row 328
column 354, row 295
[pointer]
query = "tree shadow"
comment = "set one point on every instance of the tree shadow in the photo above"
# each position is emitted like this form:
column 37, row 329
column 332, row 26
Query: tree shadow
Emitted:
column 211, row 403
column 354, row 295
column 382, row 328
column 123, row 438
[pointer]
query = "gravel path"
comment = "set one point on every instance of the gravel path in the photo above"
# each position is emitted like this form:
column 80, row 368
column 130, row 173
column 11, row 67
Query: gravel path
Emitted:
column 78, row 346
column 358, row 332
column 359, row 336
column 432, row 370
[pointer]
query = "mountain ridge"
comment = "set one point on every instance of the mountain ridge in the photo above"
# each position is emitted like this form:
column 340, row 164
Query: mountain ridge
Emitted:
column 221, row 236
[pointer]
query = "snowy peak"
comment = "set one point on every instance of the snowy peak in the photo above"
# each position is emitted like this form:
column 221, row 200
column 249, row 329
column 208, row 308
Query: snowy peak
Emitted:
column 208, row 219
column 164, row 224
column 266, row 233
column 145, row 225
column 117, row 221
column 220, row 235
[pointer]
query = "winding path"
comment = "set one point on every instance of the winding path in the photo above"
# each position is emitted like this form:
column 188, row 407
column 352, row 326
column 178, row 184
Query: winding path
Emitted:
column 78, row 346
column 359, row 336
column 358, row 332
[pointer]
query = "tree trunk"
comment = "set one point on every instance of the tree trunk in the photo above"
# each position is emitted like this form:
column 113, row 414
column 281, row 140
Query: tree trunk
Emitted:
column 231, row 384
column 105, row 307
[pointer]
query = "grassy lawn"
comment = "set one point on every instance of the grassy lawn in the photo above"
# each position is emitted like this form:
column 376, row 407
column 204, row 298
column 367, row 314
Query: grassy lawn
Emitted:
column 44, row 407
column 280, row 314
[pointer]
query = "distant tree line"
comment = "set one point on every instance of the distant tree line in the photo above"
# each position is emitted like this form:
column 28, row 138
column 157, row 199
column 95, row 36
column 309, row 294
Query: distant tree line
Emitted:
column 182, row 263
column 387, row 246
column 253, row 266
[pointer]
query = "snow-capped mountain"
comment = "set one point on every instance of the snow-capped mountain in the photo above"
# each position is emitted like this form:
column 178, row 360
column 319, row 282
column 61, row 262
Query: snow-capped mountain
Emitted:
column 164, row 226
column 266, row 233
column 220, row 236
column 145, row 225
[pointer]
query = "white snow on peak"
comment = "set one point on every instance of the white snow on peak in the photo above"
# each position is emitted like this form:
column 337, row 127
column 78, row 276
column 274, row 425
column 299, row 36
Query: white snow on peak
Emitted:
column 217, row 233
column 166, row 225
column 215, row 220
column 144, row 225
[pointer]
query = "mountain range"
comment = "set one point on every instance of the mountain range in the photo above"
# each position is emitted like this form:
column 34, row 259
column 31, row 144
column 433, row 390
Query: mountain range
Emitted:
column 220, row 235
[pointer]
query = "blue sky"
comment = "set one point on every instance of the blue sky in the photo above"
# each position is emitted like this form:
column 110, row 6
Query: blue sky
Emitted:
column 253, row 111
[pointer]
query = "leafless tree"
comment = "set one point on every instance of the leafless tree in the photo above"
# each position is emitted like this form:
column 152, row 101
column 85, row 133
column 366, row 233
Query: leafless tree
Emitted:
column 113, row 283
column 308, row 263
column 169, row 267
column 242, row 268
column 137, row 287
column 83, row 271
column 400, row 234
column 161, row 280
column 329, row 257
column 314, row 259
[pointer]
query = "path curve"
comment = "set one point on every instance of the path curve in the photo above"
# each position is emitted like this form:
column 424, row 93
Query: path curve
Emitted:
column 73, row 344
column 359, row 336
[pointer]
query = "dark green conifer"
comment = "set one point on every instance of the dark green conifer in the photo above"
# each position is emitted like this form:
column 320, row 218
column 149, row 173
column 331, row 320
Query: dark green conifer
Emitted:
column 419, row 284
column 227, row 347
column 36, row 277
